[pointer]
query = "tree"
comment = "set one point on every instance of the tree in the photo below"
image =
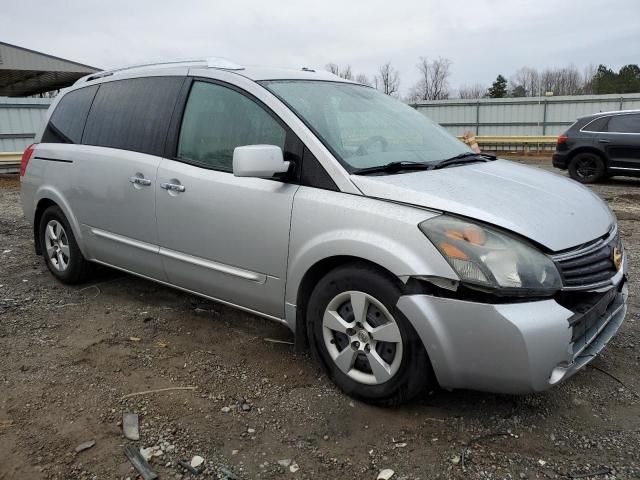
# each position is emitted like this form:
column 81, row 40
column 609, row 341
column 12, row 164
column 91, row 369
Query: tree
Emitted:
column 434, row 81
column 629, row 79
column 529, row 79
column 499, row 88
column 518, row 91
column 363, row 79
column 342, row 72
column 473, row 91
column 388, row 79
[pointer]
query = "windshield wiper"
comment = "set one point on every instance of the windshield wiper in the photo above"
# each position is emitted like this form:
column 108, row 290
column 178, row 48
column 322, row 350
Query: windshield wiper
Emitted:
column 392, row 167
column 466, row 157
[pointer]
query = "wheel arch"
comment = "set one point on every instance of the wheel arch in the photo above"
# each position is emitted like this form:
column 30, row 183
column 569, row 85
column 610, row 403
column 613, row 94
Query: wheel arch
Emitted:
column 588, row 149
column 48, row 198
column 313, row 275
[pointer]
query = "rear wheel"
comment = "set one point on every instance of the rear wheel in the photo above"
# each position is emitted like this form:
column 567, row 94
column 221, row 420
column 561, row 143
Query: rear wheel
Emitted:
column 367, row 346
column 60, row 249
column 587, row 168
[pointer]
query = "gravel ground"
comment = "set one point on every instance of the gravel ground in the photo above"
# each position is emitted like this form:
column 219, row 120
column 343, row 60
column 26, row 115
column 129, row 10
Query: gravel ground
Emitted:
column 68, row 356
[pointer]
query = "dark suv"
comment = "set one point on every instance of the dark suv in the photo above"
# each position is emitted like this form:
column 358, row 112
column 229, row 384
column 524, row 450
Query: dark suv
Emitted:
column 601, row 145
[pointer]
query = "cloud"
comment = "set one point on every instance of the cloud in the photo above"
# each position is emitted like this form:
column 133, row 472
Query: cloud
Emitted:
column 482, row 38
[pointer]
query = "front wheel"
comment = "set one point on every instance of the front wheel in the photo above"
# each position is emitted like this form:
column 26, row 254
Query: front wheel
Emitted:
column 366, row 346
column 587, row 168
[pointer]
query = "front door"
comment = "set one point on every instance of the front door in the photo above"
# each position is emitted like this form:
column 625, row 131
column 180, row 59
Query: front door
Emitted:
column 220, row 235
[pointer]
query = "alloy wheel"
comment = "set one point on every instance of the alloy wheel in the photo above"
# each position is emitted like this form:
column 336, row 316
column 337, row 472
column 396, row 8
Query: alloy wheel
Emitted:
column 57, row 245
column 362, row 337
column 587, row 167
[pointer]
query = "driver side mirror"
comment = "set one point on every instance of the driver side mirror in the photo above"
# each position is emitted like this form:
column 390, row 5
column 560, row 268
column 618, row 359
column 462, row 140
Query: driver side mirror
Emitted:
column 259, row 161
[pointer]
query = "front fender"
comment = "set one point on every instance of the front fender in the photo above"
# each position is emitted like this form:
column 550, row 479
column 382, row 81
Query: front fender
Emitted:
column 328, row 224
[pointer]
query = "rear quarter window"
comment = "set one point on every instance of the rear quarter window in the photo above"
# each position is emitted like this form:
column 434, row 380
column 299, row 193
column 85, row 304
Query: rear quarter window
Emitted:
column 67, row 120
column 133, row 114
column 598, row 125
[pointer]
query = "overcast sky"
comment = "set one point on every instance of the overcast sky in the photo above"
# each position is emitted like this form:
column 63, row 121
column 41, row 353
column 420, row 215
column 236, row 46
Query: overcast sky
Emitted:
column 482, row 37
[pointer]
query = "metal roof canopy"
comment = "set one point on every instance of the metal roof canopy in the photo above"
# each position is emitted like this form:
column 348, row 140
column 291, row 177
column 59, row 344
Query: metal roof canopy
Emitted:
column 25, row 72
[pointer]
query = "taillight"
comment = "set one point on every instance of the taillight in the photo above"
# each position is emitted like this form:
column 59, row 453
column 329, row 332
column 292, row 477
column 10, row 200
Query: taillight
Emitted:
column 26, row 156
column 562, row 139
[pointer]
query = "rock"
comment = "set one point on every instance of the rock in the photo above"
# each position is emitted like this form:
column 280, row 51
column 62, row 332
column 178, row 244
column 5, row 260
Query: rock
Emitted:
column 285, row 462
column 147, row 452
column 196, row 461
column 542, row 463
column 85, row 446
column 455, row 460
column 293, row 468
column 130, row 427
column 385, row 474
column 225, row 409
column 251, row 431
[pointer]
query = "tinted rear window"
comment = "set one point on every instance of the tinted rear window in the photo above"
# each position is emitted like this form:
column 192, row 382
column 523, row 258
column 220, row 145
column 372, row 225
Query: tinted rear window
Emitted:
column 132, row 114
column 67, row 121
column 597, row 125
column 625, row 124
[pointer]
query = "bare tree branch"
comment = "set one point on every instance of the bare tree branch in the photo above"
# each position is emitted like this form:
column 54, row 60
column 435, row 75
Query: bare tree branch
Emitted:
column 434, row 81
column 388, row 79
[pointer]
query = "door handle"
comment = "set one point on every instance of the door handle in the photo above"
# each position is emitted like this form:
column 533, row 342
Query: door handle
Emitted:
column 140, row 181
column 172, row 187
column 602, row 140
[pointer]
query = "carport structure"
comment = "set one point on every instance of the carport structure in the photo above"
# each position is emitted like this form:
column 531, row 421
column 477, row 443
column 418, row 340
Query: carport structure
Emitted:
column 25, row 72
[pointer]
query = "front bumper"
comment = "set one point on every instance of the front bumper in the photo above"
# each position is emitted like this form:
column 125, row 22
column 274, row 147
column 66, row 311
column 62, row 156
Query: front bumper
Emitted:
column 511, row 348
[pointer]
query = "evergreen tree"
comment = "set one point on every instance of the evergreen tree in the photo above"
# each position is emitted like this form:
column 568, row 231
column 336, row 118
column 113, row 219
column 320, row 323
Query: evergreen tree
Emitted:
column 499, row 88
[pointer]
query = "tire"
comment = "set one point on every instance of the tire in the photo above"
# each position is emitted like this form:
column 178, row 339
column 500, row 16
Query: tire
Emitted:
column 346, row 354
column 587, row 168
column 60, row 249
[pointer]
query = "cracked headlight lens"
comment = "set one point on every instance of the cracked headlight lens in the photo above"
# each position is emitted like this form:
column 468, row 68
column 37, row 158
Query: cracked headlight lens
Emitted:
column 491, row 259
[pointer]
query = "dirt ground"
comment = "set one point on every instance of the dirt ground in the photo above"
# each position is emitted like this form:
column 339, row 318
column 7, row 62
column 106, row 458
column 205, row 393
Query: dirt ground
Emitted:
column 68, row 355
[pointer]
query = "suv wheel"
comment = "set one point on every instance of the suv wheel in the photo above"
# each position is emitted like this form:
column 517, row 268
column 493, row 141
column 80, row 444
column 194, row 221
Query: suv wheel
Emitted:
column 60, row 249
column 367, row 347
column 587, row 168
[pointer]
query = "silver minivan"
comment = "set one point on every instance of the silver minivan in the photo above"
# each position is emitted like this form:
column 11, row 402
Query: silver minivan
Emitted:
column 402, row 259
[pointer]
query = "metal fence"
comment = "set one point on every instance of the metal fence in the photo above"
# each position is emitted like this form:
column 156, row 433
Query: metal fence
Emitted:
column 521, row 116
column 20, row 119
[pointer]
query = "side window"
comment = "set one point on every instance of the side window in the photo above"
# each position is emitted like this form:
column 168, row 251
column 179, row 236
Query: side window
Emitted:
column 67, row 121
column 133, row 114
column 218, row 119
column 629, row 123
column 598, row 125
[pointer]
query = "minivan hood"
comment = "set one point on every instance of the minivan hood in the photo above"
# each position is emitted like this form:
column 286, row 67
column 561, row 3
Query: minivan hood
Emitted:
column 549, row 209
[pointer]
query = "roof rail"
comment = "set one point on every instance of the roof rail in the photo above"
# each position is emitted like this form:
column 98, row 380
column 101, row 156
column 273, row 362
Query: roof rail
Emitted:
column 210, row 62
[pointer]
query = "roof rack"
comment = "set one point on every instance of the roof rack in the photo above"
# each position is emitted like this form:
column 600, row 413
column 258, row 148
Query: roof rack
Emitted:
column 210, row 62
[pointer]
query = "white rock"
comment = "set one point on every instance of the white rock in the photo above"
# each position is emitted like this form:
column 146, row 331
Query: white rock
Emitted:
column 147, row 453
column 225, row 409
column 542, row 463
column 285, row 462
column 251, row 431
column 455, row 460
column 196, row 461
column 385, row 474
column 293, row 468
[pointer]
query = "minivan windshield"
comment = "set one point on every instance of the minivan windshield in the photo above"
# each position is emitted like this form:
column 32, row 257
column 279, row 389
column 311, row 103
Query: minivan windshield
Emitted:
column 363, row 127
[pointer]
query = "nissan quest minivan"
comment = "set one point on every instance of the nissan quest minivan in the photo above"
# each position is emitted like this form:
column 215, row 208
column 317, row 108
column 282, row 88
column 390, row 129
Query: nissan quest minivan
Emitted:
column 401, row 258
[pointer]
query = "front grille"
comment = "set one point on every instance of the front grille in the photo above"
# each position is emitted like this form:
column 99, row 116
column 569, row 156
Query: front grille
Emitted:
column 591, row 265
column 589, row 322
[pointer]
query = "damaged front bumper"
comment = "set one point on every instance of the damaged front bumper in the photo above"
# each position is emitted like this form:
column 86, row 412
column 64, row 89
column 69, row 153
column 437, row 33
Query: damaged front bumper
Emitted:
column 515, row 347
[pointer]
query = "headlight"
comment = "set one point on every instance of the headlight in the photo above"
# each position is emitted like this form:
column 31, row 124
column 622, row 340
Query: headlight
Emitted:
column 492, row 259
